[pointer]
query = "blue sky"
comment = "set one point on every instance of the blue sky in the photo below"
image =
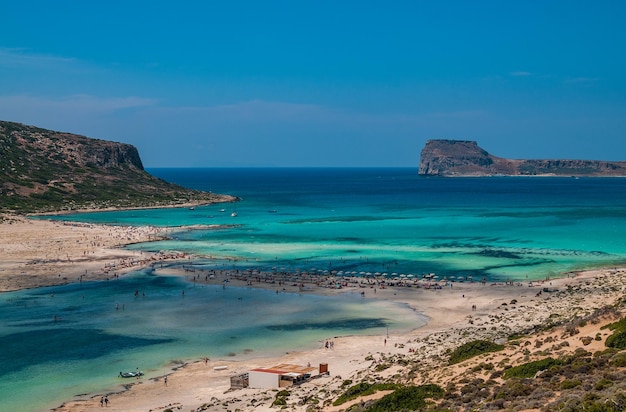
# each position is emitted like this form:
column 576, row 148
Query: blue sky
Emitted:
column 320, row 83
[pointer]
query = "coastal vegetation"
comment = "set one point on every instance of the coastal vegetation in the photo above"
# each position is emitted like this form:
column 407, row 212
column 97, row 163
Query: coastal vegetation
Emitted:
column 618, row 338
column 409, row 398
column 551, row 378
column 471, row 349
column 530, row 369
column 363, row 389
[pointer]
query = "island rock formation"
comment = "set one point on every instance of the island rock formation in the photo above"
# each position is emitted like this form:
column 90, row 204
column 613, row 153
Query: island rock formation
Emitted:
column 43, row 170
column 466, row 158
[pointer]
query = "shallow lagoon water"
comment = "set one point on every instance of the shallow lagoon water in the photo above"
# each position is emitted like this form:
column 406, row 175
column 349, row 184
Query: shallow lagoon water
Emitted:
column 363, row 220
column 62, row 341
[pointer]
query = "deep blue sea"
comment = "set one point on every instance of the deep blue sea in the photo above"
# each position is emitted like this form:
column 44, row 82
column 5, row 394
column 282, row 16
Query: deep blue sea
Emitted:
column 368, row 221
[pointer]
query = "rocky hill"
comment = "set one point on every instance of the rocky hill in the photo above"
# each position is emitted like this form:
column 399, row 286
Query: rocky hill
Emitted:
column 43, row 170
column 466, row 158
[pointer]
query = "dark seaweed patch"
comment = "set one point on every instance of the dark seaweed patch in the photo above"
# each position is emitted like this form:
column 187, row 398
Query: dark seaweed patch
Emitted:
column 23, row 349
column 498, row 253
column 350, row 324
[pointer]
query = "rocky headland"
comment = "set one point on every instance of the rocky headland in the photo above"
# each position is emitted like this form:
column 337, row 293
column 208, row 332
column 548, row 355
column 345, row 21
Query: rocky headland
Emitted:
column 47, row 171
column 465, row 158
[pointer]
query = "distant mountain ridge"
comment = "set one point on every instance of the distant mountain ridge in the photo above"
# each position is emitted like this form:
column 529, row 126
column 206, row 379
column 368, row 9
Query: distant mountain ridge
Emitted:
column 466, row 158
column 43, row 170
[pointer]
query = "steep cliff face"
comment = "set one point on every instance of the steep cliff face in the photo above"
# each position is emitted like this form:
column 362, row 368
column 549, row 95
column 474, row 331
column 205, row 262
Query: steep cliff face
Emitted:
column 69, row 149
column 43, row 170
column 462, row 156
column 466, row 158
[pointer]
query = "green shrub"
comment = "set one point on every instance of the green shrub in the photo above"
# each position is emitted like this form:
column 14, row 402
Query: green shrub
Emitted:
column 363, row 389
column 381, row 367
column 617, row 326
column 619, row 360
column 280, row 401
column 603, row 384
column 281, row 398
column 513, row 389
column 570, row 384
column 616, row 340
column 409, row 398
column 471, row 349
column 530, row 369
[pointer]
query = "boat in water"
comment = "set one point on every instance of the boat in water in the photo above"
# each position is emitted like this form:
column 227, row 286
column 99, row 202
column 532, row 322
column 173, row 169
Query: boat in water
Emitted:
column 234, row 214
column 133, row 374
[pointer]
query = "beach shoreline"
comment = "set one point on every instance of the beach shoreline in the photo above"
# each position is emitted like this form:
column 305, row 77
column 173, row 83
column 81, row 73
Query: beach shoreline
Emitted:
column 183, row 205
column 200, row 385
column 36, row 252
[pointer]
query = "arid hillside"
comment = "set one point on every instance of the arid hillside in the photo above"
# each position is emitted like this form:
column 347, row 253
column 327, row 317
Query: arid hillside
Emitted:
column 43, row 170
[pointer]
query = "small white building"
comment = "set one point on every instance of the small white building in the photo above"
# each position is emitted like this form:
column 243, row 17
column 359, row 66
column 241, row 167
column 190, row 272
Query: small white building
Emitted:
column 279, row 376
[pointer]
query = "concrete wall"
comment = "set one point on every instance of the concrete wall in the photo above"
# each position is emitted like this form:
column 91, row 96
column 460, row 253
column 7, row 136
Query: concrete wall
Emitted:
column 262, row 379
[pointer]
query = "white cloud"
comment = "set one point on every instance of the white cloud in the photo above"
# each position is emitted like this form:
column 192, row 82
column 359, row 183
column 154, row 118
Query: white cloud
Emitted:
column 252, row 110
column 79, row 103
column 261, row 111
column 584, row 81
column 521, row 74
column 460, row 114
column 81, row 114
column 20, row 58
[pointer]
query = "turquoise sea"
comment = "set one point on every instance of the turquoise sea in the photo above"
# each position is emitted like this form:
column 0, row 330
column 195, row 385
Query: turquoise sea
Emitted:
column 368, row 221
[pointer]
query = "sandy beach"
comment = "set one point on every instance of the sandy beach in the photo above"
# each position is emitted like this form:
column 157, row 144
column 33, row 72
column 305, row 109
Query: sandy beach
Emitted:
column 42, row 253
column 38, row 253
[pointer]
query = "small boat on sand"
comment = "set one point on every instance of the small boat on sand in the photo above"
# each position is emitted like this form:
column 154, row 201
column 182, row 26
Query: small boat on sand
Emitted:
column 134, row 374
